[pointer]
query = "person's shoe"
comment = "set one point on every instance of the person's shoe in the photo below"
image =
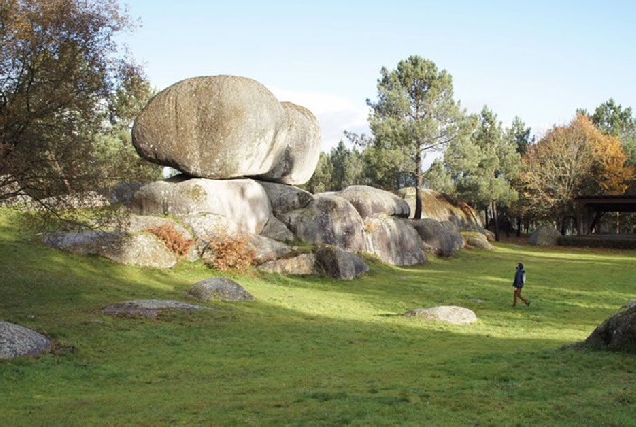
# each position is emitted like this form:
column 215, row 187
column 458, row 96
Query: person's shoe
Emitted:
column 528, row 303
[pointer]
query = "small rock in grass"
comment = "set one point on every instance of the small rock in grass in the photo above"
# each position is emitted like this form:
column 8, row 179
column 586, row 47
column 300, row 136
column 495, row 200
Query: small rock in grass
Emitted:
column 220, row 289
column 17, row 341
column 447, row 314
column 148, row 308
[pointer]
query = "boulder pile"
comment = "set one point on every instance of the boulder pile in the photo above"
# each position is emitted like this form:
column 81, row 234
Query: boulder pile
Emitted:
column 241, row 154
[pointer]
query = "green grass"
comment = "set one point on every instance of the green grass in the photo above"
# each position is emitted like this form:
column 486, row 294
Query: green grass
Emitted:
column 316, row 351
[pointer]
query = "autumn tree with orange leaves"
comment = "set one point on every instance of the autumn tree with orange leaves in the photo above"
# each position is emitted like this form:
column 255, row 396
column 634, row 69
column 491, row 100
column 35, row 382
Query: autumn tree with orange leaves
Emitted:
column 570, row 161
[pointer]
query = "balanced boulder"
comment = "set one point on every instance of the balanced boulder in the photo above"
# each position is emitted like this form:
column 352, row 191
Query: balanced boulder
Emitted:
column 222, row 127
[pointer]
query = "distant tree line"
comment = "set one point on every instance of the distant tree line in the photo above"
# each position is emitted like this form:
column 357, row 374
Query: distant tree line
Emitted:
column 506, row 173
column 69, row 94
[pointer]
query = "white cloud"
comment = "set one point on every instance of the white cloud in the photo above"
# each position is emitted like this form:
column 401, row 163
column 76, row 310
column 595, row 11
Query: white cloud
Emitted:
column 334, row 113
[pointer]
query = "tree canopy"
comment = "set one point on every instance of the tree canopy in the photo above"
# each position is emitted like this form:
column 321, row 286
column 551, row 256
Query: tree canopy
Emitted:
column 612, row 119
column 414, row 113
column 569, row 161
column 67, row 95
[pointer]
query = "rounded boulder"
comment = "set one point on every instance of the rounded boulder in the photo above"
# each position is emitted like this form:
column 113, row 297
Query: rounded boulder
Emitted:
column 214, row 127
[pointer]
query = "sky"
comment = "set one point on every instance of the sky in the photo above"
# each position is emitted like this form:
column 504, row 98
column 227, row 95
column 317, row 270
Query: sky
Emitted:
column 540, row 60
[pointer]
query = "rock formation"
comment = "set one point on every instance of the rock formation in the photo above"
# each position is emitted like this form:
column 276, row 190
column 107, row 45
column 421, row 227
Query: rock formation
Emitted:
column 617, row 333
column 544, row 236
column 224, row 127
column 240, row 152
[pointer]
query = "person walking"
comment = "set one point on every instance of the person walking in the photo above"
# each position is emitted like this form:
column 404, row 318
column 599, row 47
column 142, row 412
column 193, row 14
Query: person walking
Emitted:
column 518, row 283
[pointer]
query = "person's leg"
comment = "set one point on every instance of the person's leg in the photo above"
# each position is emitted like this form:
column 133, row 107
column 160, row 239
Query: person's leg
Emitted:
column 515, row 295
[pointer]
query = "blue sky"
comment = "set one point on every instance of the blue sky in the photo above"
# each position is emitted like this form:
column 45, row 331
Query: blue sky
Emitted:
column 539, row 60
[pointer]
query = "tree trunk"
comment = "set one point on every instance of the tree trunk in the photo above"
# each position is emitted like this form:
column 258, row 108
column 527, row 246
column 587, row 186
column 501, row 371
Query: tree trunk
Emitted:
column 495, row 216
column 418, row 186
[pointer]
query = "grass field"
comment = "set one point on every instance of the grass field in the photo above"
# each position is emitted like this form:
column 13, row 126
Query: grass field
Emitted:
column 316, row 351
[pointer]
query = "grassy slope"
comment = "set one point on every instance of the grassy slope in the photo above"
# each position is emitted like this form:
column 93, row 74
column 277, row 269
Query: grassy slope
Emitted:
column 319, row 352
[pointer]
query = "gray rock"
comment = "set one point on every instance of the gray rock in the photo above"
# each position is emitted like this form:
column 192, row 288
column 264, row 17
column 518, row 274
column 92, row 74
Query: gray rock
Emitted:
column 303, row 264
column 220, row 289
column 275, row 229
column 286, row 198
column 447, row 314
column 205, row 225
column 139, row 224
column 443, row 208
column 477, row 240
column 262, row 249
column 339, row 264
column 148, row 308
column 18, row 341
column 214, row 127
column 266, row 249
column 544, row 236
column 297, row 160
column 617, row 333
column 370, row 202
column 222, row 127
column 443, row 238
column 243, row 201
column 144, row 250
column 394, row 240
column 329, row 220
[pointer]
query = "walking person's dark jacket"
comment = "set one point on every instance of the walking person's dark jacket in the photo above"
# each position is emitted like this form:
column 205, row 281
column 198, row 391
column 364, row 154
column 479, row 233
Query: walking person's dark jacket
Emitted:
column 520, row 278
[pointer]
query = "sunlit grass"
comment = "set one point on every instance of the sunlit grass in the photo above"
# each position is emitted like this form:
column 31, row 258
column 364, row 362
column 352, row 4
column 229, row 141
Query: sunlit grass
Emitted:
column 316, row 351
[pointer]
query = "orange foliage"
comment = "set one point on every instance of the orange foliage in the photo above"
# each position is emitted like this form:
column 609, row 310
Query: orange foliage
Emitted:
column 173, row 239
column 230, row 253
column 573, row 160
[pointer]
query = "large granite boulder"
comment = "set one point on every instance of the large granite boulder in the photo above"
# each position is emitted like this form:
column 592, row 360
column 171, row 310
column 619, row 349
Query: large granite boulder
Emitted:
column 443, row 237
column 545, row 236
column 617, row 333
column 241, row 201
column 477, row 240
column 370, row 202
column 18, row 341
column 286, row 198
column 339, row 264
column 223, row 127
column 329, row 220
column 258, row 248
column 142, row 249
column 443, row 208
column 394, row 240
column 296, row 163
column 277, row 230
column 303, row 265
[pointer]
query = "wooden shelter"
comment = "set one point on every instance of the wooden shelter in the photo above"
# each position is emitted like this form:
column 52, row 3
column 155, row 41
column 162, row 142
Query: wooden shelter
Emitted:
column 589, row 209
